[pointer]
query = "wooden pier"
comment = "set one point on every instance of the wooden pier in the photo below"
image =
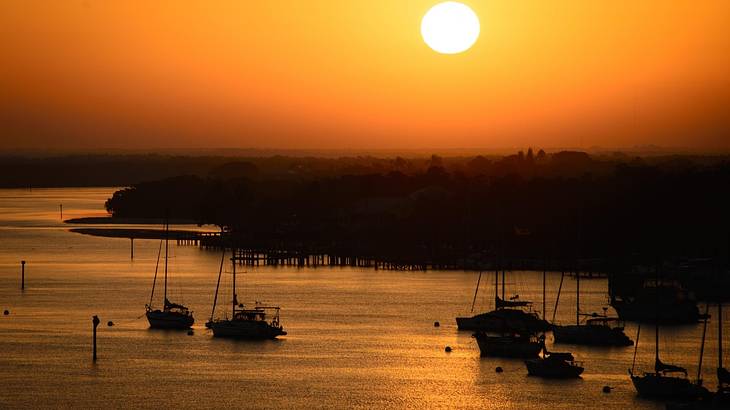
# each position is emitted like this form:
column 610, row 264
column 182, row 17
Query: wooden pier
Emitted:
column 302, row 255
column 257, row 257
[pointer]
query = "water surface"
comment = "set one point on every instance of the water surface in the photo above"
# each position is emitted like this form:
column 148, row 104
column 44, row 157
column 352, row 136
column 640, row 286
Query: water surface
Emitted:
column 357, row 337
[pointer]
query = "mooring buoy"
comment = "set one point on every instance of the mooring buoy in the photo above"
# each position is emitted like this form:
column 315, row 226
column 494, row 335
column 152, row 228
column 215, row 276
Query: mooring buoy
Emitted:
column 6, row 312
column 110, row 323
column 436, row 324
column 190, row 332
column 499, row 369
column 607, row 389
column 448, row 349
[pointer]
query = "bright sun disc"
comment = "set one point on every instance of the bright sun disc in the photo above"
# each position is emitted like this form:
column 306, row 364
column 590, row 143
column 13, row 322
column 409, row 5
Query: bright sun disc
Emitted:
column 450, row 27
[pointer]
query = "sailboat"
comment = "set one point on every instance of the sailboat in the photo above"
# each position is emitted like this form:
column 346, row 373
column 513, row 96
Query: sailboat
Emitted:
column 722, row 396
column 259, row 322
column 507, row 342
column 599, row 330
column 554, row 365
column 507, row 314
column 719, row 399
column 667, row 381
column 172, row 315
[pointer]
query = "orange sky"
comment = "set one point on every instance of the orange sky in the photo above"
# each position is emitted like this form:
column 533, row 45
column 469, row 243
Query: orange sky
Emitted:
column 356, row 74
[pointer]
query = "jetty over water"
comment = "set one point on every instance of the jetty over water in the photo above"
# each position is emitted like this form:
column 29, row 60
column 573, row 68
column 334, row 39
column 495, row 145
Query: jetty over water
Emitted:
column 182, row 237
column 343, row 256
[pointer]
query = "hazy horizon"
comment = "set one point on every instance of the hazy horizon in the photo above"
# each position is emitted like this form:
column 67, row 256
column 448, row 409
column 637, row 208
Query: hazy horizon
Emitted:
column 645, row 150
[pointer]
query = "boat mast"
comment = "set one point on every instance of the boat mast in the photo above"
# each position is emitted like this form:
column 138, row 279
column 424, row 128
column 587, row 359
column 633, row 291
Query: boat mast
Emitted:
column 656, row 326
column 218, row 285
column 476, row 291
column 233, row 258
column 167, row 234
column 557, row 298
column 636, row 348
column 577, row 297
column 503, row 276
column 154, row 281
column 702, row 346
column 719, row 335
column 656, row 346
column 496, row 288
column 544, row 274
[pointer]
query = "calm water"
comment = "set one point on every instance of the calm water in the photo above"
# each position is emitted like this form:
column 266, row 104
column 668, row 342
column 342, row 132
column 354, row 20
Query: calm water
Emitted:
column 357, row 337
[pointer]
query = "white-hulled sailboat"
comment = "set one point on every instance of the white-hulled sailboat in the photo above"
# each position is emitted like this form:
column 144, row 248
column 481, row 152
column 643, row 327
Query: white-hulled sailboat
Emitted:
column 172, row 315
column 259, row 322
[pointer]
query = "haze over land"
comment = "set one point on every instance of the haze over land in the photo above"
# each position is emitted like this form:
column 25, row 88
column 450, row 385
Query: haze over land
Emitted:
column 328, row 74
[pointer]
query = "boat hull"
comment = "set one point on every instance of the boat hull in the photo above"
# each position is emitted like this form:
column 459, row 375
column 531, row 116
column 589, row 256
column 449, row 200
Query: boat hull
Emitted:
column 245, row 329
column 658, row 386
column 684, row 312
column 503, row 319
column 712, row 401
column 552, row 369
column 499, row 346
column 169, row 320
column 591, row 335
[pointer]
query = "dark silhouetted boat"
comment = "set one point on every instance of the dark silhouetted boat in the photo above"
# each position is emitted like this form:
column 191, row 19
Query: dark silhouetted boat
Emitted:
column 599, row 330
column 259, row 322
column 508, row 314
column 675, row 305
column 172, row 315
column 554, row 365
column 667, row 382
column 508, row 344
column 719, row 399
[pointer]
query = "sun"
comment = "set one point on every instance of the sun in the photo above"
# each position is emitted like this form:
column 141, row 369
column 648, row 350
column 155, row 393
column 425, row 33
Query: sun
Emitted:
column 450, row 27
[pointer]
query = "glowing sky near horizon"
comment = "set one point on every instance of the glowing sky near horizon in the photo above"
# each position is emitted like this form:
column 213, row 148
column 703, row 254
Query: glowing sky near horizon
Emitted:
column 357, row 74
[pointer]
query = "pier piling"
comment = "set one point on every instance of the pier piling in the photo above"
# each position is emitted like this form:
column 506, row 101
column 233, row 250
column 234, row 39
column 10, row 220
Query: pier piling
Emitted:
column 22, row 275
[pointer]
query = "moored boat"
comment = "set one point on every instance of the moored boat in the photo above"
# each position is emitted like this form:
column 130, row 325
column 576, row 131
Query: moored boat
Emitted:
column 719, row 399
column 250, row 324
column 656, row 301
column 554, row 365
column 507, row 314
column 667, row 381
column 259, row 322
column 508, row 344
column 600, row 331
column 172, row 315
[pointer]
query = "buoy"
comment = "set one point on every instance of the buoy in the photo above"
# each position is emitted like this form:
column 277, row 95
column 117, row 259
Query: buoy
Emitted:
column 448, row 349
column 607, row 389
column 6, row 312
column 499, row 369
column 110, row 323
column 436, row 324
column 190, row 332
